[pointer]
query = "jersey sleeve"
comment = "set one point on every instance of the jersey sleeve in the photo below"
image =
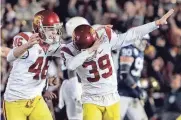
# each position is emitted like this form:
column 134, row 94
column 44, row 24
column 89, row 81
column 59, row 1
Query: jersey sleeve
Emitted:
column 18, row 40
column 133, row 35
column 66, row 55
column 71, row 61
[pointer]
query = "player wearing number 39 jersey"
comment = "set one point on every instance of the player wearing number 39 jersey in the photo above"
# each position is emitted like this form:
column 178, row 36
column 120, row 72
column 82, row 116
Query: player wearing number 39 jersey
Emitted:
column 31, row 56
column 99, row 81
column 89, row 54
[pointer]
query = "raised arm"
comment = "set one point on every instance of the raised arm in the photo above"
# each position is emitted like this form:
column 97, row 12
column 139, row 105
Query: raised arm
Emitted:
column 71, row 61
column 21, row 44
column 135, row 34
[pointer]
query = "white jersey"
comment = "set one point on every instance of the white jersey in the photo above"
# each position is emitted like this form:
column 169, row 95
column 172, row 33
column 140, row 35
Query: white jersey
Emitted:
column 97, row 72
column 28, row 75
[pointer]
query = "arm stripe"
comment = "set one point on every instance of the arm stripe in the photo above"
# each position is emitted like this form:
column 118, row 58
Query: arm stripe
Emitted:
column 25, row 36
column 67, row 50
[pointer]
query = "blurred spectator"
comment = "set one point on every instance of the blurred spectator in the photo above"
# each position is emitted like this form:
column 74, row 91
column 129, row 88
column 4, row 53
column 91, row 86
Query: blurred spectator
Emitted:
column 10, row 31
column 172, row 106
column 49, row 4
column 9, row 14
column 111, row 6
column 149, row 14
column 162, row 56
column 25, row 12
column 166, row 4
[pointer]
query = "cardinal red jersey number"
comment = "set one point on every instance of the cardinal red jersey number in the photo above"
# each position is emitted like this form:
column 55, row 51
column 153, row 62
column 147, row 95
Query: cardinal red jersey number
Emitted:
column 37, row 68
column 18, row 42
column 102, row 65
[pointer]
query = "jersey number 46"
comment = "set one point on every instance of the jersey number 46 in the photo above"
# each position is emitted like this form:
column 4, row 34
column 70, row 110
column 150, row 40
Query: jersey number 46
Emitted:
column 38, row 69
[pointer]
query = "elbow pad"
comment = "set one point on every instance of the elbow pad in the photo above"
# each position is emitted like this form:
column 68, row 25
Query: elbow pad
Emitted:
column 10, row 56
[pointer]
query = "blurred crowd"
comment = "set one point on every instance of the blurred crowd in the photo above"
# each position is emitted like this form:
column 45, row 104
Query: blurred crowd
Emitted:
column 162, row 67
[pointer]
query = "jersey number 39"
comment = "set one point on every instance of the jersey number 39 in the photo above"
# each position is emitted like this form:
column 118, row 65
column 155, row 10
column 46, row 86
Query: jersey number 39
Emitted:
column 103, row 63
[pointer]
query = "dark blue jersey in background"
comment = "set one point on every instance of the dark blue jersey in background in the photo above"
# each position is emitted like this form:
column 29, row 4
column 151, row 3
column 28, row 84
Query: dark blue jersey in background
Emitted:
column 130, row 62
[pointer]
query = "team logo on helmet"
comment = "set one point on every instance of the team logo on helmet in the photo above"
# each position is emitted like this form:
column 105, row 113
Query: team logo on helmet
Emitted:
column 92, row 31
column 73, row 35
column 37, row 20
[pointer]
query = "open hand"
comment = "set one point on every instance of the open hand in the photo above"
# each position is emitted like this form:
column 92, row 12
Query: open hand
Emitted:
column 49, row 95
column 34, row 39
column 163, row 20
column 104, row 26
column 96, row 44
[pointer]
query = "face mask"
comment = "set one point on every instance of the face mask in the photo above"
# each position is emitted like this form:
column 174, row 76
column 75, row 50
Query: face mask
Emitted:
column 51, row 34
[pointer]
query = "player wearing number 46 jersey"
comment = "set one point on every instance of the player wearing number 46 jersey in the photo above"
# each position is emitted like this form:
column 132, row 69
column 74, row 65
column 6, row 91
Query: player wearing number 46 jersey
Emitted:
column 90, row 56
column 31, row 56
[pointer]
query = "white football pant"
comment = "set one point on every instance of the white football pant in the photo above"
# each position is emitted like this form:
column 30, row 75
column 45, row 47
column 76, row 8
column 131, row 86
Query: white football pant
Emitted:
column 133, row 108
column 70, row 96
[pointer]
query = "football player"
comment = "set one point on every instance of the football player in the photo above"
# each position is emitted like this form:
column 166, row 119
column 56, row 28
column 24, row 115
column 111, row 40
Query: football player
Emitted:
column 89, row 54
column 130, row 62
column 72, row 23
column 70, row 91
column 31, row 56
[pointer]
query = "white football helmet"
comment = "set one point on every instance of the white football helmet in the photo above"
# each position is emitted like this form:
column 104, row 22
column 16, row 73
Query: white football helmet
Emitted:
column 72, row 23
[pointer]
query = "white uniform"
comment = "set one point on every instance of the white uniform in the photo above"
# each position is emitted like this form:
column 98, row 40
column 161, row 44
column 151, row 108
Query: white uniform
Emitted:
column 70, row 95
column 97, row 73
column 27, row 77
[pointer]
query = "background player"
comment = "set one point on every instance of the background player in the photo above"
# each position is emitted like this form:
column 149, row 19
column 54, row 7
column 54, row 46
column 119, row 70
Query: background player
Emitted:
column 130, row 62
column 31, row 56
column 90, row 55
column 70, row 91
